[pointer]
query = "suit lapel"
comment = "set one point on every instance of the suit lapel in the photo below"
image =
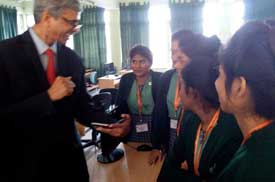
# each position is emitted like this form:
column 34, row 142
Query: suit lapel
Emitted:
column 34, row 59
column 63, row 62
column 60, row 58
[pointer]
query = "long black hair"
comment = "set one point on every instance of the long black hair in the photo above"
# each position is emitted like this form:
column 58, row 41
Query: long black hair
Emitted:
column 250, row 54
column 201, row 73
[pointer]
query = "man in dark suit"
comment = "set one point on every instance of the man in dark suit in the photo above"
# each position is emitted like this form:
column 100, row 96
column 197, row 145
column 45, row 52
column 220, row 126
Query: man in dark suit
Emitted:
column 42, row 92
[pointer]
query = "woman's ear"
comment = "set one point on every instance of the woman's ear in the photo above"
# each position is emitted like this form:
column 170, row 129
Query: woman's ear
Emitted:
column 239, row 88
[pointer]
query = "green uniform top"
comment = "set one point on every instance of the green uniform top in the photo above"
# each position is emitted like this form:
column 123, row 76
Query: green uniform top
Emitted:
column 255, row 159
column 171, row 97
column 221, row 145
column 146, row 95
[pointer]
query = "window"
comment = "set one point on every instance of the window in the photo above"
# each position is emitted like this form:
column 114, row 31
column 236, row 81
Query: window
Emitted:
column 24, row 21
column 160, row 35
column 70, row 42
column 222, row 18
column 30, row 20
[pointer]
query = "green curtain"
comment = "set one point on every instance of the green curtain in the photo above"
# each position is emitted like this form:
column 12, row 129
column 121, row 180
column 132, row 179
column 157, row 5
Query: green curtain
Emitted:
column 134, row 27
column 186, row 15
column 259, row 9
column 90, row 42
column 8, row 22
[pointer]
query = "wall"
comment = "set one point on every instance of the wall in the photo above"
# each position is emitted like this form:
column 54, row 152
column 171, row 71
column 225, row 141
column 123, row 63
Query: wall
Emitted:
column 114, row 4
column 8, row 3
column 108, row 4
column 11, row 3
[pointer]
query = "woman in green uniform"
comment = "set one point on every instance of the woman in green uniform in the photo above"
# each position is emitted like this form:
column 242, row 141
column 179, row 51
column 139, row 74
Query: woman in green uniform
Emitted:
column 169, row 105
column 246, row 88
column 185, row 45
column 137, row 94
column 208, row 137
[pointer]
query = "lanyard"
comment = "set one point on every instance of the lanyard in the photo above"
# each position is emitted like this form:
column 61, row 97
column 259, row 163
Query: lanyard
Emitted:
column 180, row 121
column 139, row 101
column 258, row 127
column 177, row 99
column 200, row 141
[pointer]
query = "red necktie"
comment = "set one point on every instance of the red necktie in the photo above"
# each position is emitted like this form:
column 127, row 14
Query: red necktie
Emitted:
column 50, row 68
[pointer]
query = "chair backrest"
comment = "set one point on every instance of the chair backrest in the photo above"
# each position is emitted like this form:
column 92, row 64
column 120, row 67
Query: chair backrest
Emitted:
column 112, row 91
column 101, row 101
column 93, row 77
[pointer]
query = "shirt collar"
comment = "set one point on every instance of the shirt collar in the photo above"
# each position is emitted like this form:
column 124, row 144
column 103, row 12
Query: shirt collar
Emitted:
column 41, row 46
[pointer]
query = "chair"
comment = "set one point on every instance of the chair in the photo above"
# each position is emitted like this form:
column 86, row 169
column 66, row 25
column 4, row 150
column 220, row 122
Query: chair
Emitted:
column 113, row 92
column 99, row 103
column 108, row 143
column 109, row 153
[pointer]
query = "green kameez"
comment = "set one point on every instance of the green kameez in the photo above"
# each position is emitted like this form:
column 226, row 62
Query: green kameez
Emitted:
column 146, row 95
column 255, row 159
column 171, row 97
column 221, row 145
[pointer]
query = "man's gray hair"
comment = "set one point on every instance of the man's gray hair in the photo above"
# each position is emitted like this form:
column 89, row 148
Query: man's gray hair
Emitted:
column 54, row 7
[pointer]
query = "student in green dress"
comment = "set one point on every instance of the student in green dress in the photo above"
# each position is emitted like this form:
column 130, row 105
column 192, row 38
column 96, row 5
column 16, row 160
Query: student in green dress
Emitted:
column 246, row 88
column 169, row 105
column 208, row 137
column 136, row 96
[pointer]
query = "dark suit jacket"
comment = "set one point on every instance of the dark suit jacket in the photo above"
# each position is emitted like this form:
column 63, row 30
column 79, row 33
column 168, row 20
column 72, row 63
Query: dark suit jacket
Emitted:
column 39, row 135
column 161, row 120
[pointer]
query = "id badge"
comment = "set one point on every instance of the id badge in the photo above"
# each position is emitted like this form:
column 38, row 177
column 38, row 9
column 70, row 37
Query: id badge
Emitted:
column 173, row 123
column 142, row 128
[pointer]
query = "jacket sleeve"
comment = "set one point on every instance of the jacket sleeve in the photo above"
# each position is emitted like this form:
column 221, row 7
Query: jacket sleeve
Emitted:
column 160, row 120
column 171, row 168
column 121, row 100
column 83, row 111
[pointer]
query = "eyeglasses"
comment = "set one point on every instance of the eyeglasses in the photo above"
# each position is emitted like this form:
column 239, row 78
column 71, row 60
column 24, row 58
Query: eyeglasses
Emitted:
column 73, row 23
